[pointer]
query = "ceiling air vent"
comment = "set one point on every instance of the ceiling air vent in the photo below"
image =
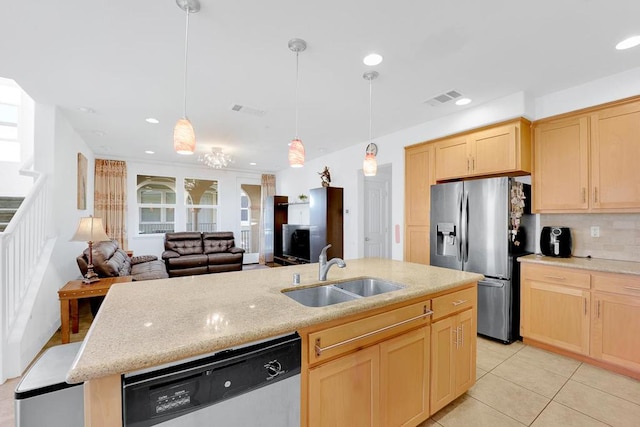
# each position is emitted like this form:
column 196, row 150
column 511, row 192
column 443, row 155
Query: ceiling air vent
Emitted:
column 248, row 110
column 443, row 98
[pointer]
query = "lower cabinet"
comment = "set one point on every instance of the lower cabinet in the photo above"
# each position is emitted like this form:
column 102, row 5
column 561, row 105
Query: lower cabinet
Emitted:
column 594, row 315
column 453, row 354
column 382, row 385
column 555, row 307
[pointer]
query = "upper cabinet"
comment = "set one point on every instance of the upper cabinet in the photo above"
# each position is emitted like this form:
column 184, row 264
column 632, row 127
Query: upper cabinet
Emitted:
column 503, row 149
column 587, row 161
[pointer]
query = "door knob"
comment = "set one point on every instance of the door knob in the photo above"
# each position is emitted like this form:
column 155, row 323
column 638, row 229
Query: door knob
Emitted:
column 366, row 239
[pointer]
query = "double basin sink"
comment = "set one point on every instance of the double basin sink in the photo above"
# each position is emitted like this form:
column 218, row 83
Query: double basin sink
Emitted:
column 337, row 292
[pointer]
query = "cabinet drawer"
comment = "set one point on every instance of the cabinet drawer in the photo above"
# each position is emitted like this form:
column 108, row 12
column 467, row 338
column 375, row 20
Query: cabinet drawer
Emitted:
column 454, row 302
column 625, row 284
column 330, row 342
column 557, row 275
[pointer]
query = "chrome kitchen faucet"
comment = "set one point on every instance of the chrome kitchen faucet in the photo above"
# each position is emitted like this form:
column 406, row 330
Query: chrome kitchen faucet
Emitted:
column 324, row 266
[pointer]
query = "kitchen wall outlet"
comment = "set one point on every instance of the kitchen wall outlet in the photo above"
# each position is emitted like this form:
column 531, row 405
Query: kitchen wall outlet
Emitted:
column 595, row 231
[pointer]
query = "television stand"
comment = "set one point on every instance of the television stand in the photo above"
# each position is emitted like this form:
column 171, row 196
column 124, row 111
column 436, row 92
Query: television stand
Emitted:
column 289, row 260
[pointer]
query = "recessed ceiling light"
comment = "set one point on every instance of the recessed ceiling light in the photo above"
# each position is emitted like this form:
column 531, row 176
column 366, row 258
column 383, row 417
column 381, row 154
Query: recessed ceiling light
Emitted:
column 98, row 133
column 372, row 59
column 150, row 152
column 463, row 101
column 87, row 110
column 628, row 43
column 152, row 120
column 253, row 163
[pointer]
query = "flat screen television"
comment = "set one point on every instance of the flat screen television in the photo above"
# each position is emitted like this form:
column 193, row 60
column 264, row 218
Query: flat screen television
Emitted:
column 296, row 241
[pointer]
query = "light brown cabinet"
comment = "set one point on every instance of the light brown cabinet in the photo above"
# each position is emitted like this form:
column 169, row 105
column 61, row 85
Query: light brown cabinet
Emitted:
column 419, row 176
column 369, row 371
column 590, row 315
column 587, row 161
column 555, row 307
column 453, row 347
column 499, row 149
column 616, row 320
column 561, row 169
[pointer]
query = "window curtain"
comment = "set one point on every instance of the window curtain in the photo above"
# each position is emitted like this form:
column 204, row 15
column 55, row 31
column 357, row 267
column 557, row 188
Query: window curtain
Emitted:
column 110, row 198
column 268, row 189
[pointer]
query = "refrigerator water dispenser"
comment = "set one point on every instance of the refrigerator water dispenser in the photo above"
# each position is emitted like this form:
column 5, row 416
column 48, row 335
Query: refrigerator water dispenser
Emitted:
column 446, row 239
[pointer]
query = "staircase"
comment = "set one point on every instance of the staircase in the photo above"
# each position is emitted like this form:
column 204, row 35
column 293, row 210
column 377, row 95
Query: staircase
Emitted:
column 8, row 207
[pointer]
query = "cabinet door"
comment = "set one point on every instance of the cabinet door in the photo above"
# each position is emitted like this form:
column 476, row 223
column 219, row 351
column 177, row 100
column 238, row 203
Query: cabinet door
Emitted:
column 416, row 245
column 345, row 391
column 615, row 326
column 404, row 379
column 452, row 159
column 561, row 167
column 443, row 339
column 615, row 146
column 419, row 176
column 494, row 150
column 555, row 314
column 465, row 355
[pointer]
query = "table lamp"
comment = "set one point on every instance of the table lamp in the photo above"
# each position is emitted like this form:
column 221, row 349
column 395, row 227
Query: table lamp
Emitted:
column 90, row 230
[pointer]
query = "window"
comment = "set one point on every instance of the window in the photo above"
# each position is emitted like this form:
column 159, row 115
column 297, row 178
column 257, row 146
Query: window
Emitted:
column 201, row 202
column 10, row 95
column 156, row 204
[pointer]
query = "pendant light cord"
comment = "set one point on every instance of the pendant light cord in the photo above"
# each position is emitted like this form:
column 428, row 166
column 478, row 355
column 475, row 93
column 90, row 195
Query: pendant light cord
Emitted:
column 370, row 92
column 297, row 74
column 186, row 51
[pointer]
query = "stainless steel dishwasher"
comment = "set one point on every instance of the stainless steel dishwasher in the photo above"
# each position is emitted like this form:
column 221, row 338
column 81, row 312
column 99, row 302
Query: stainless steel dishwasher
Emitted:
column 257, row 384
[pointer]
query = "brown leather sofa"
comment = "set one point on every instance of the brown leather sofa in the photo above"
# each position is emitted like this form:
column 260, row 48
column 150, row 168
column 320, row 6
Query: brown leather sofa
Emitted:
column 110, row 260
column 190, row 252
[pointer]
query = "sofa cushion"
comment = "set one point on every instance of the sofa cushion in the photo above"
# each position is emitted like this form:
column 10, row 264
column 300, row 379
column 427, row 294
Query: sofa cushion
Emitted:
column 187, row 261
column 109, row 260
column 224, row 258
column 149, row 270
column 142, row 258
column 216, row 242
column 184, row 243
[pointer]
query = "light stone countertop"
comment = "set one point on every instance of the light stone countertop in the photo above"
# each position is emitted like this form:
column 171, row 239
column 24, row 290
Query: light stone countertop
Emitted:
column 149, row 323
column 595, row 264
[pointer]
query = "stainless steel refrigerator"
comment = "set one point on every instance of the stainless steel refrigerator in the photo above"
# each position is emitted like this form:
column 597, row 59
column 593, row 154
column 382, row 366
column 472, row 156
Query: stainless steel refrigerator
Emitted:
column 472, row 229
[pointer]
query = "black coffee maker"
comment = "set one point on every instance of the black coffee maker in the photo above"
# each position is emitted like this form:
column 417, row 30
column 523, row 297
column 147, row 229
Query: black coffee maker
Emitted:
column 556, row 241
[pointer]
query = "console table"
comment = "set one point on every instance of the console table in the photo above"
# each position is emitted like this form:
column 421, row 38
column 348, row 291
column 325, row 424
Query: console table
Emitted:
column 75, row 290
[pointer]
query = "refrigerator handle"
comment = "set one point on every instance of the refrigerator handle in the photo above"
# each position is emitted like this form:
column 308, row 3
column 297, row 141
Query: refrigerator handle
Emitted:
column 465, row 227
column 459, row 221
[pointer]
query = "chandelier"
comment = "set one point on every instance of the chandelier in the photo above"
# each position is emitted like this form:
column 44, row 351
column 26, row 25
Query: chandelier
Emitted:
column 216, row 159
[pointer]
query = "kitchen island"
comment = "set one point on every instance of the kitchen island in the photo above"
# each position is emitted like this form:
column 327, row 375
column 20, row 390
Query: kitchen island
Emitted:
column 146, row 324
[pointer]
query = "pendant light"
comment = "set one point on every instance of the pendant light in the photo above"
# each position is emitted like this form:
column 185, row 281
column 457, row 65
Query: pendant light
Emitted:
column 296, row 149
column 184, row 137
column 370, row 164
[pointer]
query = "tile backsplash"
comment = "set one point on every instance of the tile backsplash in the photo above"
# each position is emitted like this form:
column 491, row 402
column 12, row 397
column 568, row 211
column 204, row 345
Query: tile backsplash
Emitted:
column 619, row 234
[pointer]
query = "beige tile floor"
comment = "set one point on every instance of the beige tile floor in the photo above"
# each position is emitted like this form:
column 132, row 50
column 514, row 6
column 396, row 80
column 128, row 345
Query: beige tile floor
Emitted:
column 517, row 385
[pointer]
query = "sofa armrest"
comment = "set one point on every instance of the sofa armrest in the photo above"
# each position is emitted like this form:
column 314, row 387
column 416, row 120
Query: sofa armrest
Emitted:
column 236, row 250
column 170, row 254
column 142, row 258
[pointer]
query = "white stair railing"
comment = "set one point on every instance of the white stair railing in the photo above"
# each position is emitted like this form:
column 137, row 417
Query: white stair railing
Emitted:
column 21, row 245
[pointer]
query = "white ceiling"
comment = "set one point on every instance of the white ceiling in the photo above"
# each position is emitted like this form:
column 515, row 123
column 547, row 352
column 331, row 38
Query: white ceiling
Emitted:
column 124, row 60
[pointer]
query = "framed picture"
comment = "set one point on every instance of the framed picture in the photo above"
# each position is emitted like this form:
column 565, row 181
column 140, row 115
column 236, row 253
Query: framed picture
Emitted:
column 82, row 182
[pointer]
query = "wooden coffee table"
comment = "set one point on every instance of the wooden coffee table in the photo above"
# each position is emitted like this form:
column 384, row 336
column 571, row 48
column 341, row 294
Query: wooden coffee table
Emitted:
column 75, row 290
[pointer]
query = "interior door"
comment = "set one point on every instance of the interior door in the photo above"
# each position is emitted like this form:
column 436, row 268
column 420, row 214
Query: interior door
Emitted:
column 377, row 218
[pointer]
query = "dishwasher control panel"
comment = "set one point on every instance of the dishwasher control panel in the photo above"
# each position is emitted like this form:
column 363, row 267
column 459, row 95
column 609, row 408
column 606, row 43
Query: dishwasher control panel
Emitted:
column 157, row 396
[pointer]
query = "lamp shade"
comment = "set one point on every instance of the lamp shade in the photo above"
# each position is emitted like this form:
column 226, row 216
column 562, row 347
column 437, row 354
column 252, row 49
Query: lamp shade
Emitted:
column 184, row 138
column 370, row 165
column 90, row 229
column 296, row 154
